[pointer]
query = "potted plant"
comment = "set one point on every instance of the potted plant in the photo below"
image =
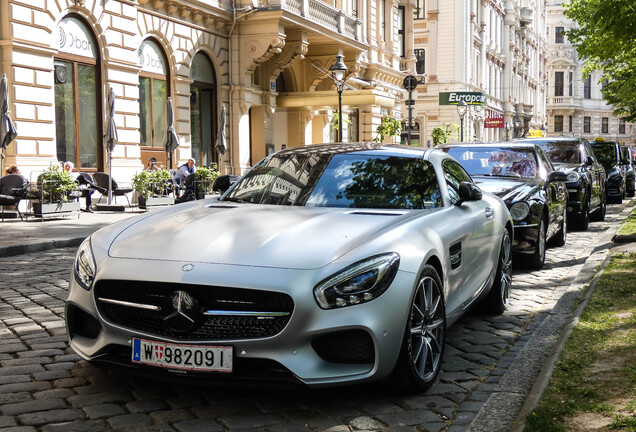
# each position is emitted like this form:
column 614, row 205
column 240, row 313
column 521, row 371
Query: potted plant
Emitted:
column 389, row 127
column 53, row 195
column 153, row 188
column 204, row 178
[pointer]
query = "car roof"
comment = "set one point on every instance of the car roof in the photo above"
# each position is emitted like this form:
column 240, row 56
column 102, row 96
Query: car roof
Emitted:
column 507, row 144
column 550, row 139
column 357, row 147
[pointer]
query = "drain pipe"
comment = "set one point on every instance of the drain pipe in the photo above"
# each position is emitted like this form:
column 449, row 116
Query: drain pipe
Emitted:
column 248, row 10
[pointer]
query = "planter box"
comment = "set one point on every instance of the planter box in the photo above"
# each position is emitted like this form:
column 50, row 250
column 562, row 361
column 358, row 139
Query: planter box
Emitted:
column 55, row 209
column 144, row 203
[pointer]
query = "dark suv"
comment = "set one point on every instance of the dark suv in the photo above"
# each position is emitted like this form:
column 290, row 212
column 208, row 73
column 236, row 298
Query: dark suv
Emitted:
column 630, row 174
column 610, row 155
column 586, row 177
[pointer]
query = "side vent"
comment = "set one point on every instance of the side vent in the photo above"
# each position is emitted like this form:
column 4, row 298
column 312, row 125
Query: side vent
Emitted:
column 455, row 255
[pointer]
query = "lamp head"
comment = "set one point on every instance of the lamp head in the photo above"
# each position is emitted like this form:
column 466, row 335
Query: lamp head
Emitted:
column 517, row 122
column 461, row 109
column 339, row 69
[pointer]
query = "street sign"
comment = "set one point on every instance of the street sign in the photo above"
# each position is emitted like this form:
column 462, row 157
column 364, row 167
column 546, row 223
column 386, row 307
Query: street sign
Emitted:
column 409, row 102
column 410, row 82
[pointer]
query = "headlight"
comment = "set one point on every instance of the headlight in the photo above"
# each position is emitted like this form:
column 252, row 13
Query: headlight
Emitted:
column 519, row 211
column 358, row 283
column 84, row 266
column 573, row 177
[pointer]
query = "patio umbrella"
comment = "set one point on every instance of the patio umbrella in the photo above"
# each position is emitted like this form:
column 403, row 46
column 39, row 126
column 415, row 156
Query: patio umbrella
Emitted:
column 171, row 141
column 110, row 137
column 221, row 142
column 7, row 129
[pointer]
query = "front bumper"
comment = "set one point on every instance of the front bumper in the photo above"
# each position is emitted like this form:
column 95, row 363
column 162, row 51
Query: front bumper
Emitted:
column 525, row 238
column 294, row 354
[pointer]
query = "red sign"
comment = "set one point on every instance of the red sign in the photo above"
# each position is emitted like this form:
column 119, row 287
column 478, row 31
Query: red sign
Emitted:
column 494, row 123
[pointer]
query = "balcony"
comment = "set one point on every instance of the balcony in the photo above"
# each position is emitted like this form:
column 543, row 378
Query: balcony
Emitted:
column 561, row 101
column 526, row 16
column 320, row 13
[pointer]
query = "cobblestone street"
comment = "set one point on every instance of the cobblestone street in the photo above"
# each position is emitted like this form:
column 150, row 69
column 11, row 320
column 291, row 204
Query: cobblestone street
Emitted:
column 490, row 365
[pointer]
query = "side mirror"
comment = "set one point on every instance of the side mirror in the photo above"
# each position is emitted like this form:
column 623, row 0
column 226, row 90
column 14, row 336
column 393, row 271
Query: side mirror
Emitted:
column 468, row 192
column 557, row 176
column 223, row 182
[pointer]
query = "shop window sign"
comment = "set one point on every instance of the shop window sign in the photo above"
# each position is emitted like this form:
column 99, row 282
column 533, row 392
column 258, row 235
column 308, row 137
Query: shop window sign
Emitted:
column 151, row 58
column 74, row 38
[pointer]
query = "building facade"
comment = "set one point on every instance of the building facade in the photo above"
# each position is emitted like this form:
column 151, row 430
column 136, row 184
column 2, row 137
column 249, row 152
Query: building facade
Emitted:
column 575, row 104
column 490, row 53
column 265, row 64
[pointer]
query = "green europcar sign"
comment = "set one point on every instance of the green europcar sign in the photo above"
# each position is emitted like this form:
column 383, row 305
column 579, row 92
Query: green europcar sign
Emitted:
column 471, row 98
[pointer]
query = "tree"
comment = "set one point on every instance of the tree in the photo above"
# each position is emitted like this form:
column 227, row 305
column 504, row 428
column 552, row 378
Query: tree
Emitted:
column 389, row 127
column 604, row 39
column 442, row 134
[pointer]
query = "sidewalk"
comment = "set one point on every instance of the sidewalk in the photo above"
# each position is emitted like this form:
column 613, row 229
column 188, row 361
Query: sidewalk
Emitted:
column 34, row 235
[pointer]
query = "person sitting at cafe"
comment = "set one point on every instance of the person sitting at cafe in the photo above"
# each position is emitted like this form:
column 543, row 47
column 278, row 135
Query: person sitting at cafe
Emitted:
column 13, row 169
column 152, row 164
column 185, row 170
column 86, row 184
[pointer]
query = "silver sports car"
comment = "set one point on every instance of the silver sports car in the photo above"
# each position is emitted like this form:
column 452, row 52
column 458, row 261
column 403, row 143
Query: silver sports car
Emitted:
column 323, row 265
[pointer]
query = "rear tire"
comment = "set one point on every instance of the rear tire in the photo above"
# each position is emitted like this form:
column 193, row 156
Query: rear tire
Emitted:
column 497, row 300
column 561, row 236
column 537, row 259
column 422, row 348
column 599, row 214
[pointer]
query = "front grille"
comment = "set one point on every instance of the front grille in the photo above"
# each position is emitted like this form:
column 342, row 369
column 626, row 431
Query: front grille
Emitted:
column 349, row 346
column 131, row 303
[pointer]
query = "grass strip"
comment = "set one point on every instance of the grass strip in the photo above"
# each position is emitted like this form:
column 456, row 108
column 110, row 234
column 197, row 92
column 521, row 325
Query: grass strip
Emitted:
column 594, row 382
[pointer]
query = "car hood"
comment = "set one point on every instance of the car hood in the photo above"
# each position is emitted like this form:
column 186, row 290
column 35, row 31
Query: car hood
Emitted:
column 509, row 189
column 253, row 235
column 567, row 167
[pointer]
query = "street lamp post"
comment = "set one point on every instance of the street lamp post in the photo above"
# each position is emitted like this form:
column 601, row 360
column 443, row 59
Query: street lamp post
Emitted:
column 461, row 110
column 507, row 131
column 517, row 123
column 339, row 70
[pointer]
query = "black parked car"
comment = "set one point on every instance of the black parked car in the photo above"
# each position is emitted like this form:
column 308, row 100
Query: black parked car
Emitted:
column 523, row 177
column 586, row 177
column 610, row 155
column 630, row 175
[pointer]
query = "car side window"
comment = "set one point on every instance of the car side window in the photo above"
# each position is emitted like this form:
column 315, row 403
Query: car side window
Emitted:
column 454, row 174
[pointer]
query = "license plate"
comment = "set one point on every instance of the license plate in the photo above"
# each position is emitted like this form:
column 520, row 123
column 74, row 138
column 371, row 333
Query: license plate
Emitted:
column 185, row 357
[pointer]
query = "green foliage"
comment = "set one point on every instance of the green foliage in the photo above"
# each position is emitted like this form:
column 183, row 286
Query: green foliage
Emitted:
column 205, row 178
column 389, row 127
column 55, row 184
column 152, row 183
column 444, row 133
column 605, row 40
column 335, row 117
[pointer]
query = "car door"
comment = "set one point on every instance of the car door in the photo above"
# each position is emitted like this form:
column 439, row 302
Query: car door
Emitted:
column 474, row 241
column 596, row 175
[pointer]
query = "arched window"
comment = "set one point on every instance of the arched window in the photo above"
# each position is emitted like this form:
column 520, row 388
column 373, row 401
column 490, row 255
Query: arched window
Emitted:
column 78, row 128
column 153, row 96
column 203, row 111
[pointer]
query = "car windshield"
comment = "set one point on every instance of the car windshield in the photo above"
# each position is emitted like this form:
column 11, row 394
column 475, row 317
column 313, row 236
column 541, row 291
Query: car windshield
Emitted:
column 350, row 180
column 568, row 152
column 606, row 155
column 496, row 161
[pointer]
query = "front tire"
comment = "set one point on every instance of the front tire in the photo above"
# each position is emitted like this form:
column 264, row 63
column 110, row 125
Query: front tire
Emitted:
column 497, row 300
column 584, row 217
column 537, row 259
column 422, row 348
